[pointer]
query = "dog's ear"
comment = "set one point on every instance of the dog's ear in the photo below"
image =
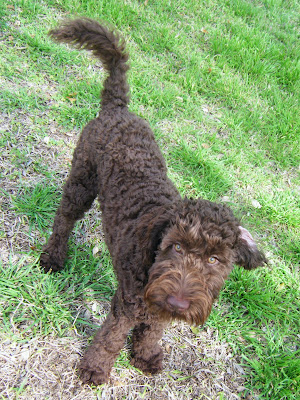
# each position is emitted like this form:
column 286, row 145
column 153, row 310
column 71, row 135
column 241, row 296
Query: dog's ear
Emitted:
column 247, row 253
column 150, row 232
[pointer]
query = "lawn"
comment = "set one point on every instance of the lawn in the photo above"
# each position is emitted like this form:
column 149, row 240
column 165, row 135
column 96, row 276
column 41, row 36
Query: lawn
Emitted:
column 218, row 82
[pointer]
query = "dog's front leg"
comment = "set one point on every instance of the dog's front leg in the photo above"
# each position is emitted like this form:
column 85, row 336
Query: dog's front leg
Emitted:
column 99, row 358
column 147, row 354
column 79, row 192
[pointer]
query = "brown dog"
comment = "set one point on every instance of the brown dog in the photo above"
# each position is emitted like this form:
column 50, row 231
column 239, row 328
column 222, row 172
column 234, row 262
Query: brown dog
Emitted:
column 171, row 255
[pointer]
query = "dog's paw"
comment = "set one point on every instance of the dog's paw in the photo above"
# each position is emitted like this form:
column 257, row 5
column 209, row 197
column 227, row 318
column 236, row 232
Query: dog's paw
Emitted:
column 49, row 263
column 91, row 376
column 150, row 366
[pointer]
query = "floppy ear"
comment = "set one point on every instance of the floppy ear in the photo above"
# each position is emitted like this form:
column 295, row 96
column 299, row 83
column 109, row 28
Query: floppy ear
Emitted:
column 150, row 232
column 247, row 253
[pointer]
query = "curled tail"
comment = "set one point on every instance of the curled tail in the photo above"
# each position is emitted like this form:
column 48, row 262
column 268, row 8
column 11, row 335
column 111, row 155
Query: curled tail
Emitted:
column 106, row 45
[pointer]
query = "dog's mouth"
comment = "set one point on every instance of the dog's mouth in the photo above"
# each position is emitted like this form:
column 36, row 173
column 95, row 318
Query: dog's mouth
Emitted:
column 172, row 308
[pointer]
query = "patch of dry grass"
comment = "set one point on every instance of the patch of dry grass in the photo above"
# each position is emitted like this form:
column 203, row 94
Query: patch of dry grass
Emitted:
column 195, row 367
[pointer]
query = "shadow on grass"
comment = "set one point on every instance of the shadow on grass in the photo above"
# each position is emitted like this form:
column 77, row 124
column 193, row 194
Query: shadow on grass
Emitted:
column 208, row 176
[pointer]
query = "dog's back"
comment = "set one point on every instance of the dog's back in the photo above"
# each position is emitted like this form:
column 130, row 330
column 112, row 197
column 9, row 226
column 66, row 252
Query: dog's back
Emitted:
column 131, row 170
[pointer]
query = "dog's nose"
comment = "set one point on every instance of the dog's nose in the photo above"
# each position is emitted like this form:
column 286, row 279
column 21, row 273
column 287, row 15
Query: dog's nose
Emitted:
column 178, row 302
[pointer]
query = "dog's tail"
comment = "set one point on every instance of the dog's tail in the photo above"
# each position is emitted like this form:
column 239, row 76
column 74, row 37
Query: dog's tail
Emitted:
column 105, row 44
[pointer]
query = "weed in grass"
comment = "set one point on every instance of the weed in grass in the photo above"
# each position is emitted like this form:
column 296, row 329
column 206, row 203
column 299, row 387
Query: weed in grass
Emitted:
column 37, row 203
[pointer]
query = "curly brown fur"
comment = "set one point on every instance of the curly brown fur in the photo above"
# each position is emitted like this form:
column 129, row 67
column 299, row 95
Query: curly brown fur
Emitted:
column 171, row 255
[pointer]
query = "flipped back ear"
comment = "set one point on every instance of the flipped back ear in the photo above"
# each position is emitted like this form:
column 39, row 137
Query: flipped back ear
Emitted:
column 247, row 253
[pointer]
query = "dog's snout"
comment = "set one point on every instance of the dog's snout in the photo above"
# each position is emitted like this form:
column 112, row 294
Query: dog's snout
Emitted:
column 178, row 302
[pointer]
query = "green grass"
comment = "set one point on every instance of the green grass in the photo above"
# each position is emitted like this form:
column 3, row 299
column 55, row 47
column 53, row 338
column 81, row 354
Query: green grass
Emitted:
column 263, row 320
column 204, row 175
column 219, row 83
column 37, row 203
column 34, row 303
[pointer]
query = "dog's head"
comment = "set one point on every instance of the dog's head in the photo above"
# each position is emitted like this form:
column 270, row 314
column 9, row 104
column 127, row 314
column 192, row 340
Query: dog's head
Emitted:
column 191, row 249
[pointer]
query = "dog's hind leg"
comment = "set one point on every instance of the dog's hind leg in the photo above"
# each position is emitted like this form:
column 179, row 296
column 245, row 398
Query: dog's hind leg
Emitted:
column 79, row 193
column 147, row 354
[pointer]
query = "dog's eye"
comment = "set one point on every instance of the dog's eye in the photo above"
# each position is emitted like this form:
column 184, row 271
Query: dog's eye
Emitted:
column 212, row 260
column 178, row 248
